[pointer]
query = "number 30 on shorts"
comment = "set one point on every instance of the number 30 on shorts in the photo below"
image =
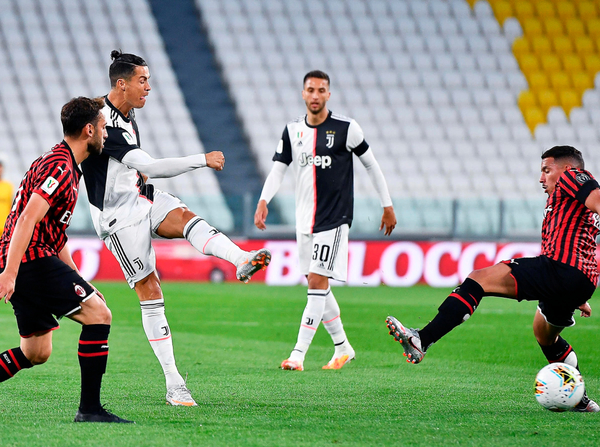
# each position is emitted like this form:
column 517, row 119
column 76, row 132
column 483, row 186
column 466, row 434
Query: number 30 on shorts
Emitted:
column 321, row 253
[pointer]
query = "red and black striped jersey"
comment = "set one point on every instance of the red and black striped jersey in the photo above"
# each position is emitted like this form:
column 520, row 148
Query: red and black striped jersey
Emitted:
column 570, row 228
column 54, row 176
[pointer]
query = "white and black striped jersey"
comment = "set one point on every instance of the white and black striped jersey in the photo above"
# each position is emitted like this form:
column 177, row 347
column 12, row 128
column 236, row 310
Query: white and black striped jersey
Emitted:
column 117, row 193
column 323, row 168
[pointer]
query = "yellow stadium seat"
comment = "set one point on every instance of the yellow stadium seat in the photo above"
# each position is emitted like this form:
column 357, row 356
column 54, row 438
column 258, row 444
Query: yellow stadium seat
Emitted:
column 553, row 27
column 532, row 27
column 593, row 27
column 502, row 10
column 538, row 80
column 560, row 81
column 526, row 100
column 592, row 64
column 534, row 116
column 523, row 10
column 529, row 63
column 565, row 10
column 574, row 28
column 545, row 10
column 546, row 99
column 541, row 45
column 551, row 63
column 569, row 99
column 520, row 46
column 581, row 82
column 587, row 10
column 572, row 63
column 584, row 46
column 562, row 45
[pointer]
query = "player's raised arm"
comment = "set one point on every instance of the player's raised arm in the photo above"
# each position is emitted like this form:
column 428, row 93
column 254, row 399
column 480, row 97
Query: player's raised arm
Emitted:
column 168, row 167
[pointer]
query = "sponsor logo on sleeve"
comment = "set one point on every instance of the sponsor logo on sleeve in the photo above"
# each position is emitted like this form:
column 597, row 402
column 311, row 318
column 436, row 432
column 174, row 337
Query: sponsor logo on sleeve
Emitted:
column 582, row 177
column 50, row 185
column 128, row 138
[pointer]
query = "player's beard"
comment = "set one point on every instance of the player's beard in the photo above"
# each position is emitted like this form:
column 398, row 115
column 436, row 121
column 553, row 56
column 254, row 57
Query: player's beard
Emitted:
column 315, row 111
column 95, row 147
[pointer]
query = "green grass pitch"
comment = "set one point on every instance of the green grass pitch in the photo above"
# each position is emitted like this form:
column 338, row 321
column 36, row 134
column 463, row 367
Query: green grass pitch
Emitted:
column 474, row 388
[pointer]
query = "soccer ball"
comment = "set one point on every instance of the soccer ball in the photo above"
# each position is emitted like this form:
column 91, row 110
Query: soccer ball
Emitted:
column 558, row 387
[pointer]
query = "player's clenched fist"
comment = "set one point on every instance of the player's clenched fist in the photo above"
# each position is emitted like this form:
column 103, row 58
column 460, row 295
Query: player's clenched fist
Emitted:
column 215, row 160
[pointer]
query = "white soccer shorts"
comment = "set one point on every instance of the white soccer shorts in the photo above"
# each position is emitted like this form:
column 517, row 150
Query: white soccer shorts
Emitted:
column 325, row 253
column 132, row 245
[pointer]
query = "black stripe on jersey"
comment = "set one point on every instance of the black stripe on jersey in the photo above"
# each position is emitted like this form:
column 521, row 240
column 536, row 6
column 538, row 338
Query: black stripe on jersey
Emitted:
column 586, row 189
column 361, row 148
column 335, row 248
column 152, row 305
column 197, row 221
column 121, row 254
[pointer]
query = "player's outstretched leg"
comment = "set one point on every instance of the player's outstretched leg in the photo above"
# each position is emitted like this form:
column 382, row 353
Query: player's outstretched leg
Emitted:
column 252, row 263
column 411, row 342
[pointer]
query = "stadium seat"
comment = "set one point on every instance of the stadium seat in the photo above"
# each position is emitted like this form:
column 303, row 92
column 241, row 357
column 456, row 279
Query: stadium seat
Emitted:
column 569, row 99
column 534, row 116
column 565, row 10
column 574, row 28
column 581, row 82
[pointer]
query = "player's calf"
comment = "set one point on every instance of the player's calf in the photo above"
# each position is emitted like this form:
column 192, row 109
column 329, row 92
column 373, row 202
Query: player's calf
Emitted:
column 11, row 362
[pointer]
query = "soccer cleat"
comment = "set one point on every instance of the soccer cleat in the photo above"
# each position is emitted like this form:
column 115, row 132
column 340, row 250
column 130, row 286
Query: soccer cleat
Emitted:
column 411, row 342
column 586, row 405
column 180, row 396
column 291, row 365
column 337, row 361
column 258, row 260
column 100, row 416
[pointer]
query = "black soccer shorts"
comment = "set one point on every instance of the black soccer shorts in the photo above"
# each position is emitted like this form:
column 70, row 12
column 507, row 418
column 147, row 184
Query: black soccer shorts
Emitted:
column 559, row 288
column 46, row 289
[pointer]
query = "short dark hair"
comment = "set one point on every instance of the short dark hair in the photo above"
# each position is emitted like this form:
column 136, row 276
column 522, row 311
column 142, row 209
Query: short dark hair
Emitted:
column 317, row 74
column 78, row 112
column 566, row 153
column 123, row 66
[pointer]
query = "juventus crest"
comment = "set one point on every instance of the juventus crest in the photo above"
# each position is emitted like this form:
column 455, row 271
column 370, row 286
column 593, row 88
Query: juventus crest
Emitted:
column 330, row 139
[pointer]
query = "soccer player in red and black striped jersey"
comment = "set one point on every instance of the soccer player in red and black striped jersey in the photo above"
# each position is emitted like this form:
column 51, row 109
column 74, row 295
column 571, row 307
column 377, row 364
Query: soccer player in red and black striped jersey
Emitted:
column 562, row 279
column 38, row 274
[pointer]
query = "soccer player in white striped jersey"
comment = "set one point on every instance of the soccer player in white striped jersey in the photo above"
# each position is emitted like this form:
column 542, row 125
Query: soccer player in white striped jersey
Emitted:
column 320, row 146
column 127, row 212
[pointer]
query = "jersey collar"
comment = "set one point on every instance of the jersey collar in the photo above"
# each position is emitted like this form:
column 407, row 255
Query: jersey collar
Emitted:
column 110, row 104
column 75, row 165
column 314, row 127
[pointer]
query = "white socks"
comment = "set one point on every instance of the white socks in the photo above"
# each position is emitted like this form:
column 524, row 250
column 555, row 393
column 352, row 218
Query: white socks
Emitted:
column 333, row 323
column 210, row 241
column 313, row 313
column 159, row 335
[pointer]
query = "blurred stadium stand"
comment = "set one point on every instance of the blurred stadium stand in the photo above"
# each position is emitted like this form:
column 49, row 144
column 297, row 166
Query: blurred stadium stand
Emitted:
column 457, row 98
column 53, row 50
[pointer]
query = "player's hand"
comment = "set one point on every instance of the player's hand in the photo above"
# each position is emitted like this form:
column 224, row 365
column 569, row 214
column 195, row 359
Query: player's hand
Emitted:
column 215, row 160
column 388, row 220
column 7, row 285
column 586, row 310
column 260, row 216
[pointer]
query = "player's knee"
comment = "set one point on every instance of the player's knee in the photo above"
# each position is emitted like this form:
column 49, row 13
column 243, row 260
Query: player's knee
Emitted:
column 316, row 281
column 39, row 356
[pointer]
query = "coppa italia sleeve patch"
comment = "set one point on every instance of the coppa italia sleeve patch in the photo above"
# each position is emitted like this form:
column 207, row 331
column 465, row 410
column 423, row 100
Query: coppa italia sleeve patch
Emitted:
column 50, row 185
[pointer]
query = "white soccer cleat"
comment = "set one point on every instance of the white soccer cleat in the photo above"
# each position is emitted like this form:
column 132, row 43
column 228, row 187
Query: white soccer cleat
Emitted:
column 411, row 342
column 291, row 365
column 180, row 396
column 339, row 359
column 258, row 260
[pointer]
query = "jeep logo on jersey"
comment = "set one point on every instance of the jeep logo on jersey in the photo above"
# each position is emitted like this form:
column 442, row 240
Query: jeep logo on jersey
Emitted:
column 318, row 160
column 330, row 139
